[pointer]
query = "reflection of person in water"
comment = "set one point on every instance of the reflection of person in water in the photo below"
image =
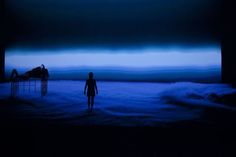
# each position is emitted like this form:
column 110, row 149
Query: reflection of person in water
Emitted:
column 44, row 80
column 91, row 86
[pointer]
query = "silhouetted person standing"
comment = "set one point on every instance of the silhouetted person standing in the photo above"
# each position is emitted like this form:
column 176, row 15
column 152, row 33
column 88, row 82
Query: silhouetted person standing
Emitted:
column 91, row 86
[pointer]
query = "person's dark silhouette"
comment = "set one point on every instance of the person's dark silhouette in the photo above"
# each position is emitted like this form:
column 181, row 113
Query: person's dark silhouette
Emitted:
column 44, row 80
column 91, row 86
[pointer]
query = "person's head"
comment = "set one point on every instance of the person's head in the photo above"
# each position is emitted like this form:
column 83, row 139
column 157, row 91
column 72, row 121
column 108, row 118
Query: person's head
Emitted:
column 90, row 75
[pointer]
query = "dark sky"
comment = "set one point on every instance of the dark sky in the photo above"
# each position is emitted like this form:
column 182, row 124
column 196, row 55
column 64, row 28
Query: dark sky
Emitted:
column 73, row 23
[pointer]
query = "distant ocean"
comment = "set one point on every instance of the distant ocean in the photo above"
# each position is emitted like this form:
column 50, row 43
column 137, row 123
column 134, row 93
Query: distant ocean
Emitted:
column 153, row 74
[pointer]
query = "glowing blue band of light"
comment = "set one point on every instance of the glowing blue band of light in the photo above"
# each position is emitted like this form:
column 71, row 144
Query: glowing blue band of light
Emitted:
column 112, row 58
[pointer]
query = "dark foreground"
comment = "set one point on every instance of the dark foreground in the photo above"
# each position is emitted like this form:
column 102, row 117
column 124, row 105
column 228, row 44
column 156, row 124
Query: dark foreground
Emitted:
column 117, row 141
column 59, row 125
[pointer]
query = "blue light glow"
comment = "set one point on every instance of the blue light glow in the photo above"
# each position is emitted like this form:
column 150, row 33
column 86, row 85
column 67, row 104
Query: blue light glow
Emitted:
column 146, row 64
column 116, row 58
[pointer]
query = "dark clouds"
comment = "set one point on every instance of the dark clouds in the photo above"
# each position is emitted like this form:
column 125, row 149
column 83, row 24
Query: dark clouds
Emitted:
column 59, row 23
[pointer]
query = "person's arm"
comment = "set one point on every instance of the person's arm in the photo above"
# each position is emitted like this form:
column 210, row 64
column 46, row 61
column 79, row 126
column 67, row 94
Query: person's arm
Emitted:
column 85, row 87
column 95, row 84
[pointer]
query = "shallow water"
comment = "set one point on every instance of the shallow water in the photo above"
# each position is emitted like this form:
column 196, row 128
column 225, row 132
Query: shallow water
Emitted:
column 117, row 103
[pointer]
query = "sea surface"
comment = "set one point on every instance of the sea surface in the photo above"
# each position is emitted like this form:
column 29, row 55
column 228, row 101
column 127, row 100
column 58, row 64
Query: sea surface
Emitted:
column 118, row 103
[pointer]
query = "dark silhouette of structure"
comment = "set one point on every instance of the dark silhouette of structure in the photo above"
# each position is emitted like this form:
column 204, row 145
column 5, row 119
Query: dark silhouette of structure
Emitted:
column 39, row 72
column 14, row 85
column 44, row 80
column 90, row 86
column 2, row 64
column 2, row 42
